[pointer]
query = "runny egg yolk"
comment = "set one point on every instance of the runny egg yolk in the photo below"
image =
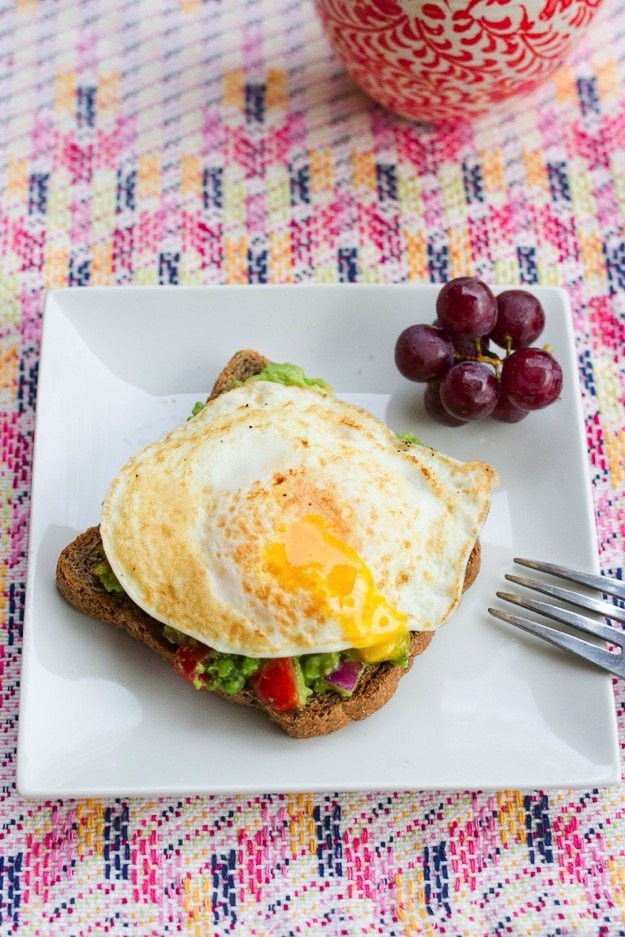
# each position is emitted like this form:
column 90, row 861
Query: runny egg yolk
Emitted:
column 340, row 586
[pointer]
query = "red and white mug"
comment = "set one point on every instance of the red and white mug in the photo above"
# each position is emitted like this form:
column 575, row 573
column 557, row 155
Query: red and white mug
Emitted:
column 437, row 60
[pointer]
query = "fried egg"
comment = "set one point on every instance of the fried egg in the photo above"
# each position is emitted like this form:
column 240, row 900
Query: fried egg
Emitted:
column 282, row 521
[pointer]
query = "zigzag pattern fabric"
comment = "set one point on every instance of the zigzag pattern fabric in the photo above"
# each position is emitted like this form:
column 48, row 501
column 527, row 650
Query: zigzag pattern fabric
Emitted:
column 201, row 142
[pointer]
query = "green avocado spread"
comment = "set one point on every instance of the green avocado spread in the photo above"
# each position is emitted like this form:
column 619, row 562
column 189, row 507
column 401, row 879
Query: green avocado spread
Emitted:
column 410, row 438
column 289, row 374
column 108, row 579
column 230, row 672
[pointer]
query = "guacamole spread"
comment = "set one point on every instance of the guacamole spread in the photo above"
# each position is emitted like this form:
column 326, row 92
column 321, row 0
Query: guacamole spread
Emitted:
column 290, row 374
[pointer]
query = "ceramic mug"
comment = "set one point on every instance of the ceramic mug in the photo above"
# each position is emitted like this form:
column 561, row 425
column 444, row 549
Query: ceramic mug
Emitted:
column 437, row 60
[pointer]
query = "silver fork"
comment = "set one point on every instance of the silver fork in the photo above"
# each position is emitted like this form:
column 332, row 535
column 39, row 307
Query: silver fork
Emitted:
column 612, row 661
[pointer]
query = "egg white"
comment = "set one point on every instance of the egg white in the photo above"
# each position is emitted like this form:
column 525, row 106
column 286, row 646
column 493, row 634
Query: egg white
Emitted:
column 186, row 522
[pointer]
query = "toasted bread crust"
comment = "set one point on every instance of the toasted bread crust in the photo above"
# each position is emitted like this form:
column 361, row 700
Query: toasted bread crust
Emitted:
column 78, row 583
column 242, row 365
column 80, row 586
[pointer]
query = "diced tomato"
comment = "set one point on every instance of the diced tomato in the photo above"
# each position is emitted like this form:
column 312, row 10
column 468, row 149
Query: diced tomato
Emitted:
column 188, row 664
column 279, row 684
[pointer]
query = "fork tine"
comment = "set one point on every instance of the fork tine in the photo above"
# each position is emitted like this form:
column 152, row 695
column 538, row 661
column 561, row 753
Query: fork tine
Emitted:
column 597, row 628
column 590, row 652
column 606, row 584
column 575, row 598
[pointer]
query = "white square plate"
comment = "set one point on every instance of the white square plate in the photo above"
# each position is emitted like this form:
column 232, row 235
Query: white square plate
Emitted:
column 487, row 707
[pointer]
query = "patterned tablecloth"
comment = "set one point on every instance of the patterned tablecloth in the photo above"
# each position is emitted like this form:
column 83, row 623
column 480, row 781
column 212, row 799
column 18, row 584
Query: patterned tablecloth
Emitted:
column 200, row 142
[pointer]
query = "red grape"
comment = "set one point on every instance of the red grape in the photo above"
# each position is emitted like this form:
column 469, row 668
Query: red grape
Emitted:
column 520, row 319
column 506, row 412
column 531, row 378
column 435, row 409
column 466, row 306
column 423, row 353
column 469, row 390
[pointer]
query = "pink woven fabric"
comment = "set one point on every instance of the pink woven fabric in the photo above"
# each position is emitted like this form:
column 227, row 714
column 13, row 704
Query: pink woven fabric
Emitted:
column 200, row 142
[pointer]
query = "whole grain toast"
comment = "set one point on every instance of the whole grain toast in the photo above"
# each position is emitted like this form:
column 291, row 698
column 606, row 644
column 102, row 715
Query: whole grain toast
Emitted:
column 81, row 587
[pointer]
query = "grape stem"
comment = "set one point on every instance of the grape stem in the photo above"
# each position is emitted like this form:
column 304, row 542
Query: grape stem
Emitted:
column 490, row 357
column 494, row 361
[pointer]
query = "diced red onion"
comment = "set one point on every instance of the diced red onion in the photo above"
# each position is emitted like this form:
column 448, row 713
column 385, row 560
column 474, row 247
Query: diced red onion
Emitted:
column 346, row 676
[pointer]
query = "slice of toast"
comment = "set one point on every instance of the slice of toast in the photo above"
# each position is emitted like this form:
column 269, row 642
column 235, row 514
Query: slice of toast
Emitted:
column 80, row 586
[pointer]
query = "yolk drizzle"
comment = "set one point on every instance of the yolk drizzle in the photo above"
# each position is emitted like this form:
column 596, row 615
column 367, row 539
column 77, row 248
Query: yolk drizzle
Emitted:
column 340, row 585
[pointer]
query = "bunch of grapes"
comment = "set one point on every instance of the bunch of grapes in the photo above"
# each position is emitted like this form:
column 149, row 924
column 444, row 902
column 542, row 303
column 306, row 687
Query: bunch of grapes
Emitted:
column 466, row 380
